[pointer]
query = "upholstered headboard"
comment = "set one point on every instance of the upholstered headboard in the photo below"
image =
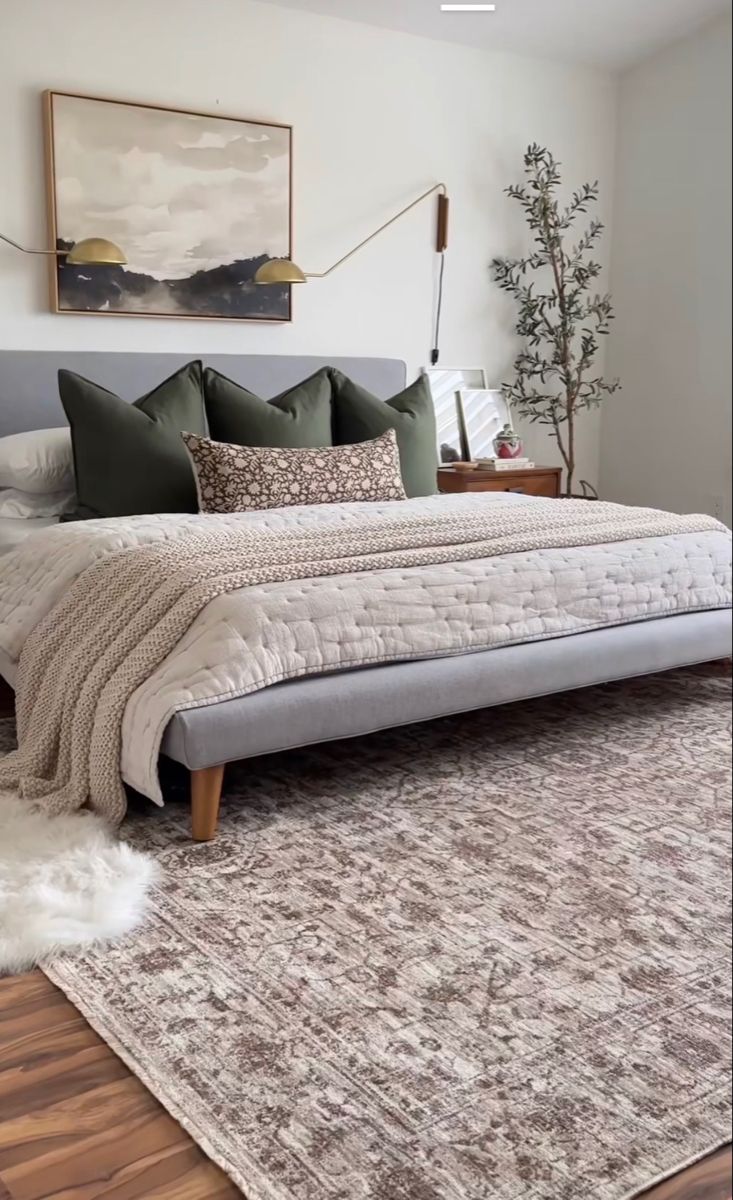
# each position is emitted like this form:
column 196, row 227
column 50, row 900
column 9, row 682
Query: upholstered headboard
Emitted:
column 29, row 396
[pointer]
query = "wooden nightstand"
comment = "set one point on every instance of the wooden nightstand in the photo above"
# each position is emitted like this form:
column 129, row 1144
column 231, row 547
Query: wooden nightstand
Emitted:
column 532, row 481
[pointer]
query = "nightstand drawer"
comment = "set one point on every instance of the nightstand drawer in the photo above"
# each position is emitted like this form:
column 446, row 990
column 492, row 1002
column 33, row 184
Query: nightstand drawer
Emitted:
column 529, row 485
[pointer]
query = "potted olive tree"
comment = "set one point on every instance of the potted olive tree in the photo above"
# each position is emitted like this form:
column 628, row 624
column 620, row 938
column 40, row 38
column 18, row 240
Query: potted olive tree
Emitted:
column 560, row 317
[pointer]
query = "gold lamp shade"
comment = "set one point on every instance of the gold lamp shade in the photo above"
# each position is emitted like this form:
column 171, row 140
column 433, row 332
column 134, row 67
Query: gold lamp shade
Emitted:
column 279, row 270
column 94, row 251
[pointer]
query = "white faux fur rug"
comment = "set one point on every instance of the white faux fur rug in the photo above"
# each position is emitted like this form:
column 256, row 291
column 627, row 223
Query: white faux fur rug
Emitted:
column 64, row 881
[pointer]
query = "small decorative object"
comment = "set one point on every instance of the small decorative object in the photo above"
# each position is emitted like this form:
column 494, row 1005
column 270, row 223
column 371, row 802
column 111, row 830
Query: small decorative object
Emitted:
column 198, row 201
column 507, row 443
column 445, row 384
column 482, row 414
column 464, row 466
column 560, row 319
column 448, row 454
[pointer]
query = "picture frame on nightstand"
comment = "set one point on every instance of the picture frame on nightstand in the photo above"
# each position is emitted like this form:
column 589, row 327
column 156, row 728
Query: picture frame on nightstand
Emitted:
column 482, row 414
column 445, row 383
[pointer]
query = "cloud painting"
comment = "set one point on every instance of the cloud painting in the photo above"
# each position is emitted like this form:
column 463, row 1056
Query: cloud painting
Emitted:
column 196, row 202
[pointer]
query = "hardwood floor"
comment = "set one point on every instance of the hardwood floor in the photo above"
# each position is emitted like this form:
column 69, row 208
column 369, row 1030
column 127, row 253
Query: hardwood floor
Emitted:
column 708, row 1180
column 76, row 1125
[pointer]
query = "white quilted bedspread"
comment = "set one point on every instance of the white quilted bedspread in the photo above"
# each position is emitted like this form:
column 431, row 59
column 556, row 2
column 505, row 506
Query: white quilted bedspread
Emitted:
column 261, row 635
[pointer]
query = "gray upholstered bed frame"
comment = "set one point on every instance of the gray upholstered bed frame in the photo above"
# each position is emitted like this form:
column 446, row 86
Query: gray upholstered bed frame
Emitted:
column 348, row 703
column 29, row 394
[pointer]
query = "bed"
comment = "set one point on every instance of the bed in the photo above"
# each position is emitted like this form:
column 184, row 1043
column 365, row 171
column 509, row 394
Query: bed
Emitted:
column 14, row 531
column 640, row 606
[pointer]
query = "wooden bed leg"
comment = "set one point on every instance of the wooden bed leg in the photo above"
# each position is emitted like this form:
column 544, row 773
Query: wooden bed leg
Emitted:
column 205, row 796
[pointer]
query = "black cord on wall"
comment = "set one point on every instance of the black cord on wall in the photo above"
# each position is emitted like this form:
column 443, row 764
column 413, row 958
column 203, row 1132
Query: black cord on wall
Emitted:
column 435, row 352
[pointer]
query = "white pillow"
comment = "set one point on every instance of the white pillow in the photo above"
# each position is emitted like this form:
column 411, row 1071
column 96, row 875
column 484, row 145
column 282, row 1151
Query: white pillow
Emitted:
column 14, row 503
column 38, row 461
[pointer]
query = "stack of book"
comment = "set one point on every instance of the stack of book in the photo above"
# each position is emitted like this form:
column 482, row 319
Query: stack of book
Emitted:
column 504, row 464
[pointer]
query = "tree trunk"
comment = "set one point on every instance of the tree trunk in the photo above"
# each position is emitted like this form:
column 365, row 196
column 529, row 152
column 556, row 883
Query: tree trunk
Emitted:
column 571, row 448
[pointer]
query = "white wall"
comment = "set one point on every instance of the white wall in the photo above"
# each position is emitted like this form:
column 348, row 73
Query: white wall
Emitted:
column 378, row 116
column 666, row 438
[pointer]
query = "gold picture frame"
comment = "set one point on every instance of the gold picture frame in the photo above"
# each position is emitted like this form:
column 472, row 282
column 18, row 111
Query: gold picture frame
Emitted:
column 179, row 264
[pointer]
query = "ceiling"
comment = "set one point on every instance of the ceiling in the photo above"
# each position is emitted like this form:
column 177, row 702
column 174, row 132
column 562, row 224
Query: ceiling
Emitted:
column 602, row 33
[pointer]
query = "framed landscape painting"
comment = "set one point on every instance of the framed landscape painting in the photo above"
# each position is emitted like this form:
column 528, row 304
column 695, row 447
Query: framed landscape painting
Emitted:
column 196, row 201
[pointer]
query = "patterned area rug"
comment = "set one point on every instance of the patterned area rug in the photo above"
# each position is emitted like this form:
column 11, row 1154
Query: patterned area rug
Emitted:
column 485, row 957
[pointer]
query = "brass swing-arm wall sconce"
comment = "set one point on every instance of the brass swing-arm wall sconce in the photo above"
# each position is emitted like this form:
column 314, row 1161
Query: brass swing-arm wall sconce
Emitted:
column 89, row 252
column 285, row 271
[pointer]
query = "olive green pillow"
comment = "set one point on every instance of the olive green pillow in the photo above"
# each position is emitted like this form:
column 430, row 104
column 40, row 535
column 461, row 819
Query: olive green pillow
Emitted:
column 358, row 416
column 299, row 418
column 130, row 458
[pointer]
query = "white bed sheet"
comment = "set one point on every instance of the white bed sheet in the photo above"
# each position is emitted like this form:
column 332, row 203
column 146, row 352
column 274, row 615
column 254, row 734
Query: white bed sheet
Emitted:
column 14, row 530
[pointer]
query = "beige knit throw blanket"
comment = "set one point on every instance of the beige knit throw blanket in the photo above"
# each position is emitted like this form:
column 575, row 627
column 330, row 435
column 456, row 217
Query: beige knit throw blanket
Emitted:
column 126, row 612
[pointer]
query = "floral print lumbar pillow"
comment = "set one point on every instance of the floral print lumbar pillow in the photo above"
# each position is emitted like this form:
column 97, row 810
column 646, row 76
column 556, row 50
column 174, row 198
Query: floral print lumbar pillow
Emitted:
column 243, row 478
